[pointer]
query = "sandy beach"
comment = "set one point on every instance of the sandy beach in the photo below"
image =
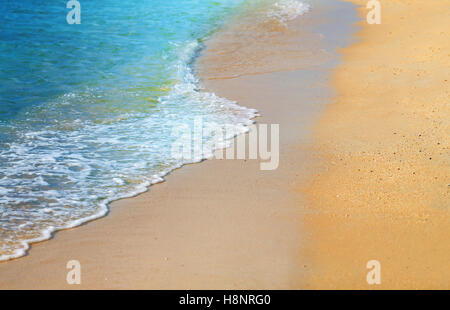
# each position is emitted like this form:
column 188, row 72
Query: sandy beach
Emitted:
column 383, row 192
column 363, row 173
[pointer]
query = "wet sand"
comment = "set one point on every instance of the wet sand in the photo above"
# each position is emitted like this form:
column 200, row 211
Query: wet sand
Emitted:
column 221, row 224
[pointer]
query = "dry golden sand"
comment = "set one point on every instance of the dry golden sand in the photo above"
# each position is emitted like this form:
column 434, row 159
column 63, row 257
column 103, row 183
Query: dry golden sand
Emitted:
column 384, row 190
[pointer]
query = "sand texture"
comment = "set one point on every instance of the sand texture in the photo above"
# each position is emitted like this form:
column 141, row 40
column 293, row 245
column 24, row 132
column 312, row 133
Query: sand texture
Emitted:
column 383, row 191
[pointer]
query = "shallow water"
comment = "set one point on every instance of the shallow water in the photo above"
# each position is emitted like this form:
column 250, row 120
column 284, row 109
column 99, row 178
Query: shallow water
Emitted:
column 87, row 111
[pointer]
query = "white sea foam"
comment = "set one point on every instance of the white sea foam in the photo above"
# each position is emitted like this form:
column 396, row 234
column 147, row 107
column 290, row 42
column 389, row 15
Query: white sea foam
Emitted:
column 286, row 10
column 55, row 179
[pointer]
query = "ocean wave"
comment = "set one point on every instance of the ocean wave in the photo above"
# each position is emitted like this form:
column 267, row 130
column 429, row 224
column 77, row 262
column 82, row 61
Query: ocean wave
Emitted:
column 55, row 179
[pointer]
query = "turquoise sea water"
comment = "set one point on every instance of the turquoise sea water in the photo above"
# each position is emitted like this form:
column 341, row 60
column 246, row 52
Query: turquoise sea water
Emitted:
column 86, row 111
